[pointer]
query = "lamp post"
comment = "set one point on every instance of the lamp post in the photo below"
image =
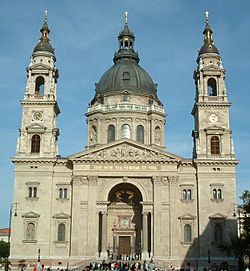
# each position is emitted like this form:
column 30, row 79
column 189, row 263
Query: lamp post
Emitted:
column 38, row 259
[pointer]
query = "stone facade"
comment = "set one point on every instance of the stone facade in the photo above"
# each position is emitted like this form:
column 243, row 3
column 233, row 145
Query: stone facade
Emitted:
column 125, row 194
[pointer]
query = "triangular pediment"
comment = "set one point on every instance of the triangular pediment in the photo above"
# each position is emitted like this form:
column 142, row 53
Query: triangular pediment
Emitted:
column 217, row 216
column 126, row 150
column 61, row 215
column 215, row 127
column 187, row 217
column 211, row 67
column 36, row 128
column 31, row 214
column 39, row 66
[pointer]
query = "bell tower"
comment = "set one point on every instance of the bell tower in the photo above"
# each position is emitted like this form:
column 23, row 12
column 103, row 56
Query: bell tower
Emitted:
column 39, row 133
column 212, row 133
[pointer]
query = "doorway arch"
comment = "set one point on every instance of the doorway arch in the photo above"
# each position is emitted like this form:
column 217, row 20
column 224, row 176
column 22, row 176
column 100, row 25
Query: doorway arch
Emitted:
column 124, row 221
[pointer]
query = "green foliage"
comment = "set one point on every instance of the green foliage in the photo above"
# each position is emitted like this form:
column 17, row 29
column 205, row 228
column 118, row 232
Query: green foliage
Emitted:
column 4, row 249
column 246, row 208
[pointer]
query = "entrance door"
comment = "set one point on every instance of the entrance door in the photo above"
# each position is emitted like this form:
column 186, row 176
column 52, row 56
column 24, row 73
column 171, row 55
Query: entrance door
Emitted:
column 124, row 245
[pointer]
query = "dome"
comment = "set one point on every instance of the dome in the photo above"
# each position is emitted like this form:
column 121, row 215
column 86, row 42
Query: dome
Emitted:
column 208, row 49
column 44, row 44
column 208, row 46
column 126, row 75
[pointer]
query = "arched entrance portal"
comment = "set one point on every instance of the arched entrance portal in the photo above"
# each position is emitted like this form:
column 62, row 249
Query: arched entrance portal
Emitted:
column 124, row 221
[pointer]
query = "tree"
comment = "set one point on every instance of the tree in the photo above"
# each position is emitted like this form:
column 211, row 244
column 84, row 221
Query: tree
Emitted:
column 4, row 250
column 245, row 197
column 239, row 246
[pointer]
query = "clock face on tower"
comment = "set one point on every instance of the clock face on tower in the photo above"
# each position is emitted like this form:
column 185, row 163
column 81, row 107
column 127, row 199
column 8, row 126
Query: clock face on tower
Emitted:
column 213, row 118
column 124, row 222
column 37, row 116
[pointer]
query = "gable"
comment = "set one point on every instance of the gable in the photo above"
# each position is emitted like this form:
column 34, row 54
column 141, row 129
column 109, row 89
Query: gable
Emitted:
column 126, row 150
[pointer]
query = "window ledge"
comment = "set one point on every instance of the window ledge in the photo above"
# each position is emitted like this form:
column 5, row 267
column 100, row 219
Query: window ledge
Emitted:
column 217, row 200
column 30, row 241
column 32, row 198
column 186, row 243
column 62, row 199
column 187, row 200
column 61, row 243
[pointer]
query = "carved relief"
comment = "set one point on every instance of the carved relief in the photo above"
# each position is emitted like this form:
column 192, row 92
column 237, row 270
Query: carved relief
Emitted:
column 92, row 180
column 80, row 180
column 124, row 151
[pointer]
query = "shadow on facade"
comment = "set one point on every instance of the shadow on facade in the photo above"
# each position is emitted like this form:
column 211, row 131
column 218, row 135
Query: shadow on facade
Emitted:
column 205, row 252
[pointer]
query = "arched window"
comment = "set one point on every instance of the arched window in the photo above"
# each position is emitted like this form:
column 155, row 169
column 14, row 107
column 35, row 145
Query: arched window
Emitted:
column 211, row 87
column 30, row 192
column 39, row 90
column 184, row 194
column 189, row 194
column 125, row 133
column 111, row 133
column 187, row 233
column 65, row 193
column 140, row 134
column 60, row 193
column 218, row 234
column 34, row 192
column 157, row 135
column 30, row 231
column 61, row 232
column 215, row 145
column 35, row 144
column 219, row 194
column 214, row 193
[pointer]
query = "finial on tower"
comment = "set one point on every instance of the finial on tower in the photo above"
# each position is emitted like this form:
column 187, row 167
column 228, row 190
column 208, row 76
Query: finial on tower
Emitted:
column 126, row 17
column 46, row 16
column 206, row 14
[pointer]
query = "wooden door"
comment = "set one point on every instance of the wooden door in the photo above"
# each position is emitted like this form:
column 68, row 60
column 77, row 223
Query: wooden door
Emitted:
column 124, row 245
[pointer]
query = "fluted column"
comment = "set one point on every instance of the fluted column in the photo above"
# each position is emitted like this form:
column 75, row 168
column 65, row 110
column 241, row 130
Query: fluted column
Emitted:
column 145, row 235
column 104, row 253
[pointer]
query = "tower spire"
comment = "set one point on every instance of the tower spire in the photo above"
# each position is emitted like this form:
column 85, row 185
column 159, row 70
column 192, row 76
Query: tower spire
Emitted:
column 208, row 43
column 44, row 41
column 126, row 40
column 126, row 17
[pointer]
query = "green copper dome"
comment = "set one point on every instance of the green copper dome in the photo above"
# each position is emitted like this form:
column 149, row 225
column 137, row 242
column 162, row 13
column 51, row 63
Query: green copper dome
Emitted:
column 126, row 73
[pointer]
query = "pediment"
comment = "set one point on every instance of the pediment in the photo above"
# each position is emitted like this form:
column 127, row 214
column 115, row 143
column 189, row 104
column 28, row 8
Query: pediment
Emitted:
column 217, row 216
column 187, row 217
column 211, row 67
column 36, row 128
column 61, row 215
column 39, row 66
column 126, row 150
column 215, row 127
column 31, row 214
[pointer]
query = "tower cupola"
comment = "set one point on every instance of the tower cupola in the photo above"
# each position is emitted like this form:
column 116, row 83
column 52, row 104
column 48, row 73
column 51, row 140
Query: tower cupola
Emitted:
column 208, row 46
column 126, row 41
column 44, row 41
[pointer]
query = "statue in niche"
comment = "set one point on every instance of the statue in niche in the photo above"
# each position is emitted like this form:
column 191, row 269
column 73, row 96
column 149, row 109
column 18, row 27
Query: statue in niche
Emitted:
column 157, row 136
column 93, row 135
column 31, row 231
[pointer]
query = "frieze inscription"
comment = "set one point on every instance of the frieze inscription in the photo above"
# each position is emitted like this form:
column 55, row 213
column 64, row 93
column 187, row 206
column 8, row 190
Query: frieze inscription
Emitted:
column 125, row 167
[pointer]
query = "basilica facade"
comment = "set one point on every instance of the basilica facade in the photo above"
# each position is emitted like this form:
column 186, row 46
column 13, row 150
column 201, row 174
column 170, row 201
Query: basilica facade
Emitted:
column 124, row 195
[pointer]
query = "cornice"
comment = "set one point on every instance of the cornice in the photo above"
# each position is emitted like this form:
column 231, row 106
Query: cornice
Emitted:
column 215, row 162
column 38, row 160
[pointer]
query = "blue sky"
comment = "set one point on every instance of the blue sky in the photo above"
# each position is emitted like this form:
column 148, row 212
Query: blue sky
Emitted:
column 84, row 34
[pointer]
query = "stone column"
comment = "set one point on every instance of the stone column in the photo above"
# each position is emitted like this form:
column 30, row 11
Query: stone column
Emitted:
column 145, row 235
column 104, row 252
